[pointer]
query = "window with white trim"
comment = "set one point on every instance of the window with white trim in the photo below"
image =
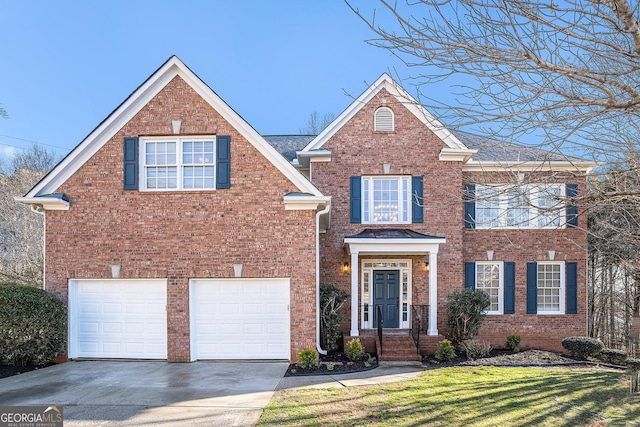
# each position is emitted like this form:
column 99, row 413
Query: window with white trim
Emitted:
column 383, row 120
column 172, row 163
column 490, row 279
column 386, row 199
column 529, row 206
column 550, row 287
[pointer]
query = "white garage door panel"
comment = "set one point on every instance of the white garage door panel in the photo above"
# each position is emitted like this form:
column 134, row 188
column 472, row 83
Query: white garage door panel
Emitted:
column 240, row 319
column 118, row 319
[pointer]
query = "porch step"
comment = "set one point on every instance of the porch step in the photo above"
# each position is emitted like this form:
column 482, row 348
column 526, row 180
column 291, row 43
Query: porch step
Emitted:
column 399, row 348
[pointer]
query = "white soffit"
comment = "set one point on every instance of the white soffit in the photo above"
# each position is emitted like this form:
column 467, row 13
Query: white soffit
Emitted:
column 136, row 101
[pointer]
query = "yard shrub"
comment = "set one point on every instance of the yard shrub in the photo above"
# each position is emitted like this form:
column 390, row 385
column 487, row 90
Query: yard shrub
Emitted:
column 354, row 349
column 308, row 359
column 476, row 349
column 582, row 347
column 33, row 324
column 331, row 299
column 465, row 313
column 612, row 355
column 445, row 351
column 513, row 342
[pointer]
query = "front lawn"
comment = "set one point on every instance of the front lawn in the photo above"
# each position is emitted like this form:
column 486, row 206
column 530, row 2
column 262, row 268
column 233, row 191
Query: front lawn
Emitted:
column 468, row 396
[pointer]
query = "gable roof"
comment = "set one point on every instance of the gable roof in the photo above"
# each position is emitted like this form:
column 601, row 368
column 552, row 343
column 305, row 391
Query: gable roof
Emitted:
column 453, row 144
column 135, row 102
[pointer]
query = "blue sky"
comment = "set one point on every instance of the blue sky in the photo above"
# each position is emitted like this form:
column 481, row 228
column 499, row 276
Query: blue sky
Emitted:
column 67, row 64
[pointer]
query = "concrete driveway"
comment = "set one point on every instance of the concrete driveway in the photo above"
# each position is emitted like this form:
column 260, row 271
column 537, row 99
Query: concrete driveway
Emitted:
column 105, row 393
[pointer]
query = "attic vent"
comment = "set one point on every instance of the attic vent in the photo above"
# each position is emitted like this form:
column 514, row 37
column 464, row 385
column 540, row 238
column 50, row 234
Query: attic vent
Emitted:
column 383, row 121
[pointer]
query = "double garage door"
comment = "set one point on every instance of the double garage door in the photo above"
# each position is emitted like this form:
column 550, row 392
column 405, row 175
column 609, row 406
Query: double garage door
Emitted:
column 230, row 319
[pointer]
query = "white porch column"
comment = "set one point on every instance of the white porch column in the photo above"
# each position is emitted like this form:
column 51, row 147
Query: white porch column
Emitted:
column 433, row 293
column 355, row 300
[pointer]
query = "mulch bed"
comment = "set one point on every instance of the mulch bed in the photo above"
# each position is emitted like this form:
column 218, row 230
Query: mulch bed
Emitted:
column 341, row 365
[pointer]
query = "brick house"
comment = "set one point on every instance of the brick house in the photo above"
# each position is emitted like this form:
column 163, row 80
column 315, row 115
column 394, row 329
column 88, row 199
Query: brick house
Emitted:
column 175, row 231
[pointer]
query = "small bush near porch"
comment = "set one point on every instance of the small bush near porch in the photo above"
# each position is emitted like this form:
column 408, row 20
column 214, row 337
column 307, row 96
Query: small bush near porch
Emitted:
column 467, row 396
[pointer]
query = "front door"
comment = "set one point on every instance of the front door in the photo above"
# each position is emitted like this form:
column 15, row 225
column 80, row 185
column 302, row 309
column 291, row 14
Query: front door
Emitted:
column 386, row 295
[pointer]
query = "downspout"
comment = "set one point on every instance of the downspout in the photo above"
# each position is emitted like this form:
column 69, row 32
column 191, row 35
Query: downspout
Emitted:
column 322, row 212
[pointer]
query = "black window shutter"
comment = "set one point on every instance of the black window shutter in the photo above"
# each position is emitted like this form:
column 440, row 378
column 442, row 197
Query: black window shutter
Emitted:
column 223, row 161
column 572, row 287
column 532, row 287
column 469, row 206
column 470, row 275
column 356, row 199
column 509, row 287
column 417, row 200
column 131, row 163
column 572, row 208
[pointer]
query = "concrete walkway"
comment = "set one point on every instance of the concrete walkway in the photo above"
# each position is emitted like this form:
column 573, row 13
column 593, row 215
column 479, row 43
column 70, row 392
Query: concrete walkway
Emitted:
column 385, row 373
column 110, row 394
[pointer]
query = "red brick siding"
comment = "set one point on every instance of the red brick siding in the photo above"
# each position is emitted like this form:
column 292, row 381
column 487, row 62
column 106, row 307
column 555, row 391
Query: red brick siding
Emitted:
column 411, row 150
column 521, row 247
column 182, row 235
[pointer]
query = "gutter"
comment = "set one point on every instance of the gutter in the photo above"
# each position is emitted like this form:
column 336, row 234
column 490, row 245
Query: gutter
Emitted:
column 326, row 210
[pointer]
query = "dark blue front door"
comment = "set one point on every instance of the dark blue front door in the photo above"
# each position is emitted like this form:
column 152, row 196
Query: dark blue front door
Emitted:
column 386, row 295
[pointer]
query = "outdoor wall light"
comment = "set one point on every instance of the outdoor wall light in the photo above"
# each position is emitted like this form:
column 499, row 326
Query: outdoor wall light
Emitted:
column 426, row 266
column 345, row 267
column 115, row 271
column 237, row 270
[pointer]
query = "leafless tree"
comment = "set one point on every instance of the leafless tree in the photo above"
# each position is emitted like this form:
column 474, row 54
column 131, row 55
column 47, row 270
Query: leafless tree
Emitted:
column 21, row 231
column 36, row 159
column 317, row 123
column 564, row 74
column 564, row 71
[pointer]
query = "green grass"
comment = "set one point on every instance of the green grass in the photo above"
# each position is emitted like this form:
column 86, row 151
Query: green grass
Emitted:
column 467, row 396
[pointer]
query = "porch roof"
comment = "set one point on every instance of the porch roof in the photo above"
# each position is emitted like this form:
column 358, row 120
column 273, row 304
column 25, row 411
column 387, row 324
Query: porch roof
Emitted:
column 392, row 241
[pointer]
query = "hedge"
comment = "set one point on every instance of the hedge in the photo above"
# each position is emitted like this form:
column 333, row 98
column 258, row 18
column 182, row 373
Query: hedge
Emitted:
column 33, row 325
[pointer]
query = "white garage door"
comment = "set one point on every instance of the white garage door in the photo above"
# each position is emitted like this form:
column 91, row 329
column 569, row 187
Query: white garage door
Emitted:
column 118, row 319
column 239, row 319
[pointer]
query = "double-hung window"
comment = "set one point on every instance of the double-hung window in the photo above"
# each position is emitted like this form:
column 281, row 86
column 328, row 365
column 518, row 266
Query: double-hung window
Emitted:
column 171, row 163
column 528, row 206
column 386, row 200
column 550, row 287
column 489, row 279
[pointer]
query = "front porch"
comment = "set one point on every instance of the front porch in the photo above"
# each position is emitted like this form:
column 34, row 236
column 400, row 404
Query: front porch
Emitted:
column 383, row 296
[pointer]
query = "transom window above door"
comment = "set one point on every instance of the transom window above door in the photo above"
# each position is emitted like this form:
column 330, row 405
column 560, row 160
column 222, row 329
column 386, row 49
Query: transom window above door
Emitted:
column 386, row 199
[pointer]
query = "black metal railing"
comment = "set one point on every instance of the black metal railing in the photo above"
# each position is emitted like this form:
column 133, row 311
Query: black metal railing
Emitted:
column 419, row 323
column 416, row 320
column 380, row 325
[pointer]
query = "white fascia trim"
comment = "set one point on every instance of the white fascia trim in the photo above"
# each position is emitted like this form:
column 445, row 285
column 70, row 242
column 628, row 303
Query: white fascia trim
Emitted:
column 46, row 203
column 366, row 246
column 385, row 81
column 305, row 203
column 107, row 129
column 305, row 158
column 544, row 166
column 456, row 154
